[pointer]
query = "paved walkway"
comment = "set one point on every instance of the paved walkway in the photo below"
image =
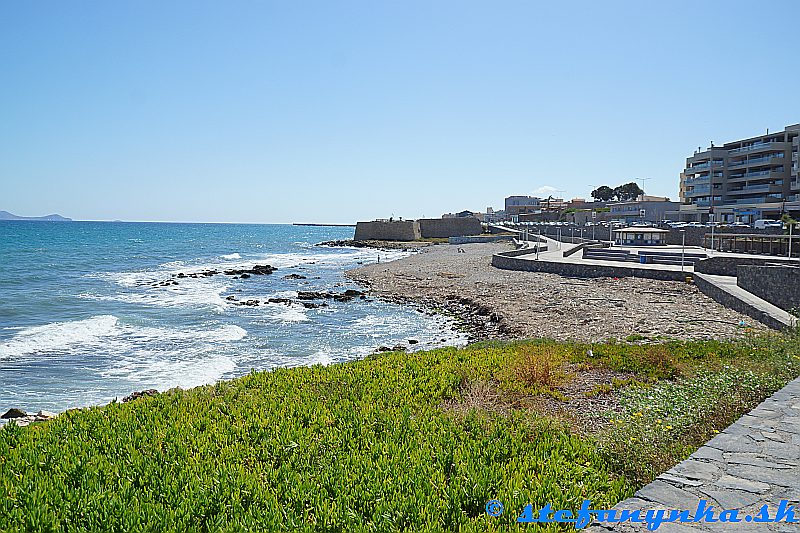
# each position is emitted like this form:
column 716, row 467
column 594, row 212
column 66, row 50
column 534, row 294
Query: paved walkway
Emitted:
column 755, row 461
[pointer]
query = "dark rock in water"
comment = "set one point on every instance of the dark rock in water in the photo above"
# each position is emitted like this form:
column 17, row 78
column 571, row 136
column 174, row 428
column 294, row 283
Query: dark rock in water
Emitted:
column 231, row 298
column 286, row 301
column 244, row 276
column 413, row 341
column 14, row 413
column 384, row 349
column 313, row 295
column 399, row 348
column 294, row 276
column 258, row 270
column 249, row 303
column 309, row 305
column 345, row 296
column 181, row 275
column 140, row 394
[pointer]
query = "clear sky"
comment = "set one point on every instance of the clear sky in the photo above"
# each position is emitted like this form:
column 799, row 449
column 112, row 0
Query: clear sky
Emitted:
column 334, row 111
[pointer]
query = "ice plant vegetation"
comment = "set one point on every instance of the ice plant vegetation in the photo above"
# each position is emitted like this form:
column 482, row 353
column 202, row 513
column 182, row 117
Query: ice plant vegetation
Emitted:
column 397, row 441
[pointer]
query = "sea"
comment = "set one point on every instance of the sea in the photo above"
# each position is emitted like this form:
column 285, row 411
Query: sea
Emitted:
column 86, row 319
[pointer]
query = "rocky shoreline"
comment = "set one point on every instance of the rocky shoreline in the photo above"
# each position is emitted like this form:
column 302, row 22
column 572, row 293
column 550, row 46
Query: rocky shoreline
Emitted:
column 405, row 246
column 500, row 304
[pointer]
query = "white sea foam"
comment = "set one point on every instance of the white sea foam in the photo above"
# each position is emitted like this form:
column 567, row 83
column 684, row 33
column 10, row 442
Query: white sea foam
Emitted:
column 106, row 334
column 205, row 292
column 58, row 336
column 231, row 257
column 180, row 370
column 288, row 313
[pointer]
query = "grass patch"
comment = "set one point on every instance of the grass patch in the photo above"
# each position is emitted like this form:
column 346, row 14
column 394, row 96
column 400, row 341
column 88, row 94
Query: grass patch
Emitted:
column 394, row 442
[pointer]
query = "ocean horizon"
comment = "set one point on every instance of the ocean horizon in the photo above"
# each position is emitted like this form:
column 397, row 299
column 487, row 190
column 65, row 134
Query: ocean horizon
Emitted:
column 92, row 311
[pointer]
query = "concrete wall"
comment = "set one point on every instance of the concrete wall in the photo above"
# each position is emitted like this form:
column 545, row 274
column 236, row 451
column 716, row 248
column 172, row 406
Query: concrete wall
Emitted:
column 694, row 236
column 580, row 270
column 729, row 266
column 405, row 230
column 779, row 285
column 730, row 301
column 442, row 228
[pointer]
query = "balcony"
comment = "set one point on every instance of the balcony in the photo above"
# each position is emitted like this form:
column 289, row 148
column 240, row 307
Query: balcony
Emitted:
column 755, row 201
column 693, row 181
column 695, row 170
column 757, row 147
column 765, row 160
column 760, row 174
column 698, row 191
column 753, row 189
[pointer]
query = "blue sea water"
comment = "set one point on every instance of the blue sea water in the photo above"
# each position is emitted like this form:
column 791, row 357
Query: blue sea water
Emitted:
column 81, row 322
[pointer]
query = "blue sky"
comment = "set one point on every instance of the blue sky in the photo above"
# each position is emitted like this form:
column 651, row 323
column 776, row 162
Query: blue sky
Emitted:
column 337, row 111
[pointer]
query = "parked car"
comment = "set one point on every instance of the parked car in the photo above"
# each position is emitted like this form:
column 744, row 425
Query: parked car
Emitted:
column 765, row 223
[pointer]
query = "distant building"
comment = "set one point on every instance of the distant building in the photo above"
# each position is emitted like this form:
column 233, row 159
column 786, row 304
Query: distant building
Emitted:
column 743, row 181
column 518, row 205
column 645, row 209
column 494, row 216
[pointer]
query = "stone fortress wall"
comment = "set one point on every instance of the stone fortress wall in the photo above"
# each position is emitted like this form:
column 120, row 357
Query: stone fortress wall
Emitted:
column 411, row 230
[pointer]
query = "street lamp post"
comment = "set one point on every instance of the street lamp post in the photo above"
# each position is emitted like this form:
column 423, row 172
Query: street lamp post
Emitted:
column 683, row 248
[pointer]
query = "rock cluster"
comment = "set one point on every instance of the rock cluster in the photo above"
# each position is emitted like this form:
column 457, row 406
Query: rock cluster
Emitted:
column 239, row 273
column 21, row 418
column 345, row 296
column 140, row 394
column 381, row 245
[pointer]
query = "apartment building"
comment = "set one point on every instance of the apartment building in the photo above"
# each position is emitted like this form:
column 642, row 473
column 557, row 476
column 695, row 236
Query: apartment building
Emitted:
column 644, row 209
column 743, row 181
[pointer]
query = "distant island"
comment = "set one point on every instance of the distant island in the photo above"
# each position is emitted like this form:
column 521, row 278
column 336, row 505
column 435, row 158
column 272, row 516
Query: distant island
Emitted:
column 5, row 215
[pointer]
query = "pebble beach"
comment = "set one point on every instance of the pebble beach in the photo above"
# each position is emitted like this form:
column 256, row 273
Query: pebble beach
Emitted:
column 498, row 304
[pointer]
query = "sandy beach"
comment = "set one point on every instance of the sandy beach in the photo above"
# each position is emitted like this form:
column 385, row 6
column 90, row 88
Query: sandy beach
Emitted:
column 507, row 304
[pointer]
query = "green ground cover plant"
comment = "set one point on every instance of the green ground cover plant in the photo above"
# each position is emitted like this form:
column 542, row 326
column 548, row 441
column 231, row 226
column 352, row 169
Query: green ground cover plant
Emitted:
column 388, row 443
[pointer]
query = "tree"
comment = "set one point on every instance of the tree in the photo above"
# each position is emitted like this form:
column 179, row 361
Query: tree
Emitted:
column 627, row 192
column 604, row 193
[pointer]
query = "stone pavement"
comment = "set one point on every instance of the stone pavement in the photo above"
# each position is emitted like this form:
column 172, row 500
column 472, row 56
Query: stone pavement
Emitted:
column 753, row 462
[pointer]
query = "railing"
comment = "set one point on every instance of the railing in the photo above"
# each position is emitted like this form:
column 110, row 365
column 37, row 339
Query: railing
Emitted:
column 755, row 189
column 699, row 191
column 759, row 200
column 756, row 161
column 752, row 147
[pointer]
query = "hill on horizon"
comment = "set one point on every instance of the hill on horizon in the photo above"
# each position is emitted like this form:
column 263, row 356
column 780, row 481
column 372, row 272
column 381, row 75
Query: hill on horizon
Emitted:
column 5, row 215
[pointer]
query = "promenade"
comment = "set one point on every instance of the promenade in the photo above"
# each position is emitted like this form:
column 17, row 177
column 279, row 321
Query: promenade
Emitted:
column 555, row 258
column 755, row 461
